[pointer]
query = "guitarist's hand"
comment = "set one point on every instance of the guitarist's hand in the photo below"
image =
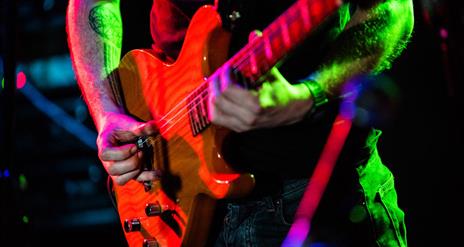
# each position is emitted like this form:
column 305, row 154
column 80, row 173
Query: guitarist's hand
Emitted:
column 117, row 151
column 276, row 103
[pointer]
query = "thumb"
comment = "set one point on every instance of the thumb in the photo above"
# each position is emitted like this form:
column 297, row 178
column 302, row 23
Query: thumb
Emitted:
column 145, row 129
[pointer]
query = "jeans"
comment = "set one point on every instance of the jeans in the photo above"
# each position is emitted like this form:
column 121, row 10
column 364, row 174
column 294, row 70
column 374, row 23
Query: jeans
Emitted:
column 359, row 213
column 264, row 221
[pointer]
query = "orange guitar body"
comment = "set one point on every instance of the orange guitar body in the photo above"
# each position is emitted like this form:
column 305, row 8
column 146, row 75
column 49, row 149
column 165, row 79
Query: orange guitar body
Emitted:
column 178, row 209
column 194, row 175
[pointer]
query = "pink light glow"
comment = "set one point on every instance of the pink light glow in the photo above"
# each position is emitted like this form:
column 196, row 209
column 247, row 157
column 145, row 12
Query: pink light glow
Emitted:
column 443, row 33
column 302, row 225
column 297, row 234
column 20, row 80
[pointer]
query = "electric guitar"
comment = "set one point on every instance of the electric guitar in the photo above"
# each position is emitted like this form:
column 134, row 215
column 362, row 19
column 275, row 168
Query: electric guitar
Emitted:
column 179, row 208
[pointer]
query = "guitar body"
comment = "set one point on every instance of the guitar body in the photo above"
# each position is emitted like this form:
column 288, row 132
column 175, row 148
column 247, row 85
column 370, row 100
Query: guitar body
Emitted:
column 178, row 209
column 194, row 175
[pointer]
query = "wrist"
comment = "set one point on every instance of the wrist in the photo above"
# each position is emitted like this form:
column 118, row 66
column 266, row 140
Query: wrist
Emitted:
column 317, row 95
column 103, row 119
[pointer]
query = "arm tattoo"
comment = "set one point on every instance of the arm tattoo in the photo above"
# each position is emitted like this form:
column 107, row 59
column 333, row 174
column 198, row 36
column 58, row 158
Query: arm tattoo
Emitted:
column 105, row 21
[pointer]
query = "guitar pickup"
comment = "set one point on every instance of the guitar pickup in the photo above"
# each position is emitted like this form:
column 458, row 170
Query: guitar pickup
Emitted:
column 197, row 108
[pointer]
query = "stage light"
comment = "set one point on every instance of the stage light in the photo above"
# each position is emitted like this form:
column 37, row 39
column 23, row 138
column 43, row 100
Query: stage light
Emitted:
column 6, row 173
column 48, row 4
column 22, row 182
column 443, row 33
column 20, row 80
column 25, row 219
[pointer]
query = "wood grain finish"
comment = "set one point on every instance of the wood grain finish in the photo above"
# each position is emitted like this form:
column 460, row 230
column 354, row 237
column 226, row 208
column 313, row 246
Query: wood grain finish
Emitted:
column 193, row 172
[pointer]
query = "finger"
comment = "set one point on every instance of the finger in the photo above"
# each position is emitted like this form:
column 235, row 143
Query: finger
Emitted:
column 229, row 122
column 149, row 176
column 117, row 153
column 146, row 129
column 243, row 98
column 246, row 116
column 123, row 179
column 124, row 166
column 124, row 136
column 266, row 96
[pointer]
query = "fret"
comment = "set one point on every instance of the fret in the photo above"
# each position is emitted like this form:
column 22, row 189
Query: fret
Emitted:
column 204, row 112
column 196, row 111
column 193, row 125
column 253, row 65
column 316, row 10
column 304, row 15
column 258, row 56
column 204, row 106
column 268, row 48
column 285, row 33
column 262, row 59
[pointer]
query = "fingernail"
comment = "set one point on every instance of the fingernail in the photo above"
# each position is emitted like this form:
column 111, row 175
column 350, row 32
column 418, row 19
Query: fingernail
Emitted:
column 140, row 154
column 133, row 150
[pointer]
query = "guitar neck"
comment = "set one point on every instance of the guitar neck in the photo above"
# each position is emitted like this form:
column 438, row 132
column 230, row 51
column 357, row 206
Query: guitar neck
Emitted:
column 261, row 54
column 284, row 34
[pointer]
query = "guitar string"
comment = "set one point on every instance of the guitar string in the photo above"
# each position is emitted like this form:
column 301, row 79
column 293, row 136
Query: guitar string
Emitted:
column 272, row 28
column 198, row 90
column 200, row 99
column 203, row 94
column 257, row 47
column 289, row 17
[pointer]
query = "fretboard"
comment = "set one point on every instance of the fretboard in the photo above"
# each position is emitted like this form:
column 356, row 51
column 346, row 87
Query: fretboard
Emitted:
column 284, row 34
column 255, row 59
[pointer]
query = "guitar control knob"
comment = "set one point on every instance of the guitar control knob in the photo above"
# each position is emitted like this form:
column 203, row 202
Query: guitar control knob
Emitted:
column 132, row 225
column 154, row 209
column 150, row 243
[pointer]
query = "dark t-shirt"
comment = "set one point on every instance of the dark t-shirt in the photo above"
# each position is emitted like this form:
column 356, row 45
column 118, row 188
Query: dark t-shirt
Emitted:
column 169, row 20
column 287, row 151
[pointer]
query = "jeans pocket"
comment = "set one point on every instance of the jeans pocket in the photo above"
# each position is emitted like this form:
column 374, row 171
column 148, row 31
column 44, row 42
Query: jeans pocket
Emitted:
column 387, row 217
column 290, row 200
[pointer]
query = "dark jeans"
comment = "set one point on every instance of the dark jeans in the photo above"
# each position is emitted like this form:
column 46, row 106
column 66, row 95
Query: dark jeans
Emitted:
column 366, row 214
column 264, row 221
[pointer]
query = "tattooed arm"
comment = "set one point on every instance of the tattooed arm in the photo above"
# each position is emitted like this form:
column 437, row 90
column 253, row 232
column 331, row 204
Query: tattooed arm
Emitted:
column 374, row 36
column 369, row 41
column 95, row 36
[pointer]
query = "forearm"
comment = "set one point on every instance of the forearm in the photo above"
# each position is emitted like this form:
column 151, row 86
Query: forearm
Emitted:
column 371, row 40
column 94, row 31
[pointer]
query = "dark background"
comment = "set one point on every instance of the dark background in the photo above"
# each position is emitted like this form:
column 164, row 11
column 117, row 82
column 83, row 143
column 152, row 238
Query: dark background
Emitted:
column 53, row 188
